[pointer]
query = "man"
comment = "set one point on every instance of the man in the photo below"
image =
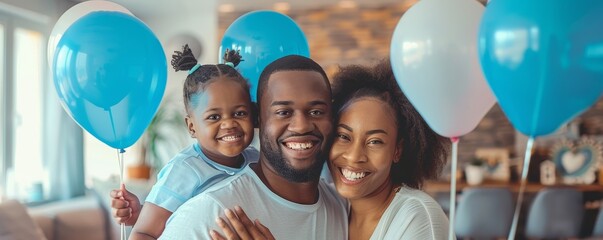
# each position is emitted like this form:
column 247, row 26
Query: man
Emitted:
column 283, row 189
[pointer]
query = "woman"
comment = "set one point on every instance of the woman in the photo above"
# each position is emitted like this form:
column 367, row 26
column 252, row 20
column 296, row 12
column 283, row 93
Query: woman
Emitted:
column 382, row 152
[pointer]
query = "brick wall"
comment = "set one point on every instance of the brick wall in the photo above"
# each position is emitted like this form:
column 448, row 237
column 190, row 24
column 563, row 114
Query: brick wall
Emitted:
column 339, row 36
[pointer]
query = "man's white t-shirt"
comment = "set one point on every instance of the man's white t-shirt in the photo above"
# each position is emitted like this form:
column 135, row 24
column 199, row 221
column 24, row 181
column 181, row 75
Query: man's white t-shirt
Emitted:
column 412, row 215
column 326, row 219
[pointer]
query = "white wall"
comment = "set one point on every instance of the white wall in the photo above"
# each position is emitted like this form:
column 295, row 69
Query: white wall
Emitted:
column 168, row 20
column 45, row 11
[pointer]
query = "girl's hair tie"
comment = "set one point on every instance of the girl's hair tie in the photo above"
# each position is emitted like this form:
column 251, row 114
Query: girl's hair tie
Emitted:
column 192, row 70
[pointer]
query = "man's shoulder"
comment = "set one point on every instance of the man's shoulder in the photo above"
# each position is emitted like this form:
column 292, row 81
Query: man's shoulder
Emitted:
column 208, row 202
column 202, row 200
column 225, row 194
column 193, row 218
column 225, row 188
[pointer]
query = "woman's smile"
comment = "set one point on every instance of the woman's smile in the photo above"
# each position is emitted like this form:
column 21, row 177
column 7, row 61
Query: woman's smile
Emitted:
column 352, row 176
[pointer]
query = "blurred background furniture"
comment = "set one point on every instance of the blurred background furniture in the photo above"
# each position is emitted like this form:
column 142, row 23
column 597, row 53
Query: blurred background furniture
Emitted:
column 88, row 217
column 592, row 199
column 76, row 219
column 484, row 213
column 555, row 213
column 598, row 228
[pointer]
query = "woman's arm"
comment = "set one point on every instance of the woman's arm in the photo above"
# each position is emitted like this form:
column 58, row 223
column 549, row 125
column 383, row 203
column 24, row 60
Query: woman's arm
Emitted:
column 242, row 227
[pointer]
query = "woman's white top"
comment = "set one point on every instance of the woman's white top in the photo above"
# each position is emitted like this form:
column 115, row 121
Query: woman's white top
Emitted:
column 412, row 215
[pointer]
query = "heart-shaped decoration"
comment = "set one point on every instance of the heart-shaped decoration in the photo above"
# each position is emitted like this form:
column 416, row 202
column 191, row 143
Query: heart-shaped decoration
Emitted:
column 572, row 162
column 578, row 160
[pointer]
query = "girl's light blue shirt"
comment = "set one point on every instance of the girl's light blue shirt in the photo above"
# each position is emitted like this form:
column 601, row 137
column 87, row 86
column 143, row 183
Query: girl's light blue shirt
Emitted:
column 189, row 173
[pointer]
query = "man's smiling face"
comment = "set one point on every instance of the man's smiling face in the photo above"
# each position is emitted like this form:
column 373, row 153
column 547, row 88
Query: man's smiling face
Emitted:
column 295, row 124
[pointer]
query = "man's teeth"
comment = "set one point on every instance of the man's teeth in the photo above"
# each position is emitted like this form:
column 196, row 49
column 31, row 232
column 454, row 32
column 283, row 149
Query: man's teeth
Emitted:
column 230, row 138
column 352, row 176
column 299, row 146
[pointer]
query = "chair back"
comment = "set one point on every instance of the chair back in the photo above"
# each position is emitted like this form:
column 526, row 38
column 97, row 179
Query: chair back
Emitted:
column 484, row 213
column 598, row 229
column 555, row 213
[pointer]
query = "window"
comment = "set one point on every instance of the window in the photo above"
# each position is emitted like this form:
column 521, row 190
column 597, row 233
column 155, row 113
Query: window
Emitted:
column 27, row 172
column 2, row 114
column 23, row 75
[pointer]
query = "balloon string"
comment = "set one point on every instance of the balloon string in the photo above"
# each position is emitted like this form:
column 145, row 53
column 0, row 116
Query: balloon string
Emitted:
column 120, row 157
column 455, row 141
column 522, row 186
column 112, row 124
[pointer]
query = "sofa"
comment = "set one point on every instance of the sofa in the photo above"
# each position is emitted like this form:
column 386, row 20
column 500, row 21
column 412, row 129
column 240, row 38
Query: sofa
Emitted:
column 80, row 218
column 87, row 217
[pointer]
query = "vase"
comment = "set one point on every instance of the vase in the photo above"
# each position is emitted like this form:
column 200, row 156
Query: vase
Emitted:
column 139, row 172
column 474, row 174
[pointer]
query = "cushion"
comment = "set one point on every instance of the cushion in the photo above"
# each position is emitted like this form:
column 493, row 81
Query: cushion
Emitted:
column 16, row 224
column 86, row 224
column 71, row 219
column 46, row 223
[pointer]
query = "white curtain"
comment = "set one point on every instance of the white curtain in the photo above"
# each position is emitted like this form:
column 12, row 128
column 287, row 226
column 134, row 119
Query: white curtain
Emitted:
column 63, row 149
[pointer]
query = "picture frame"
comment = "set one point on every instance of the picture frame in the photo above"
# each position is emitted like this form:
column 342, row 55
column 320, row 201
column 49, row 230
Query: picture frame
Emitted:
column 577, row 161
column 497, row 166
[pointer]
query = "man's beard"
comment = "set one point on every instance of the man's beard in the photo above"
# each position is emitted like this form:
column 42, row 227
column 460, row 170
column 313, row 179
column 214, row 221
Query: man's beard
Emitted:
column 282, row 167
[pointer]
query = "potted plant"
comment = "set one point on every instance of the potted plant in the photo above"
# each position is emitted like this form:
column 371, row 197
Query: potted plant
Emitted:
column 162, row 135
column 474, row 172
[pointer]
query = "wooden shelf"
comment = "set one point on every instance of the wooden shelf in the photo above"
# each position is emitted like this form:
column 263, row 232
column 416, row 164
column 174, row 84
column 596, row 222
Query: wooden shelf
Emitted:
column 441, row 186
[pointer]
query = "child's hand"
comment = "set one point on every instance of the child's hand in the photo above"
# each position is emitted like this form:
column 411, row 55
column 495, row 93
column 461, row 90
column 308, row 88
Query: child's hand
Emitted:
column 126, row 207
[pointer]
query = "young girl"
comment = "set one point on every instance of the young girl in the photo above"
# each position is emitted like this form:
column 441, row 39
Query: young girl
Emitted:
column 219, row 116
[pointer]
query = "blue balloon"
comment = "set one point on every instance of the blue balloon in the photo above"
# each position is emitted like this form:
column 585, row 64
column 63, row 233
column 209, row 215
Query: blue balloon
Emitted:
column 262, row 37
column 543, row 60
column 110, row 74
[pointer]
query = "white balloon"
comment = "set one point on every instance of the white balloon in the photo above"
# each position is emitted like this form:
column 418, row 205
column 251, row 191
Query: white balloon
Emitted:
column 435, row 60
column 73, row 14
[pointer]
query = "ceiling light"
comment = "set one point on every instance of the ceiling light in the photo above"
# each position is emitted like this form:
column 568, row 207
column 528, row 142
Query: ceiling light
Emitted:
column 347, row 4
column 282, row 6
column 226, row 8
